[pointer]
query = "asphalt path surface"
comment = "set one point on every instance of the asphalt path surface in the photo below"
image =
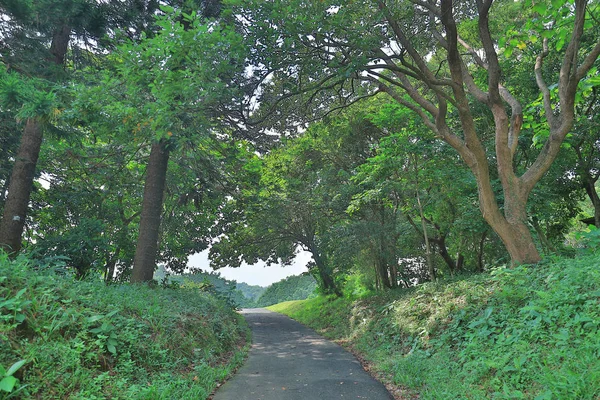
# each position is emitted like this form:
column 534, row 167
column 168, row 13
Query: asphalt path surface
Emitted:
column 289, row 361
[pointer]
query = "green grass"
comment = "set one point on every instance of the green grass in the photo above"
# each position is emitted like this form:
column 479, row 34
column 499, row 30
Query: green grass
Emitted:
column 522, row 333
column 86, row 340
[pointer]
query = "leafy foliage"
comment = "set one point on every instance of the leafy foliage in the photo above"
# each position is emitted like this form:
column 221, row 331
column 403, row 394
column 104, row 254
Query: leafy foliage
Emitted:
column 237, row 295
column 519, row 333
column 82, row 339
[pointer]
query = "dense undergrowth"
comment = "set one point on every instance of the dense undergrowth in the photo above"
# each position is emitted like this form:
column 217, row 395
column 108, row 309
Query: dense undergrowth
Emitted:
column 72, row 339
column 522, row 333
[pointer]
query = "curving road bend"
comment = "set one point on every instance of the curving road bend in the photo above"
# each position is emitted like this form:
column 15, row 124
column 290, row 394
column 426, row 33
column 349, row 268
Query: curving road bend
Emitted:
column 289, row 361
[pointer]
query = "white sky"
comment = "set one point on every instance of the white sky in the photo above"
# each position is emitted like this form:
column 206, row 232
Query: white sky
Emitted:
column 257, row 274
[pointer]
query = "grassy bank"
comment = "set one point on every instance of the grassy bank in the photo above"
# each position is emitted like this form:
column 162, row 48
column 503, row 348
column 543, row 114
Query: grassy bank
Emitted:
column 523, row 333
column 83, row 340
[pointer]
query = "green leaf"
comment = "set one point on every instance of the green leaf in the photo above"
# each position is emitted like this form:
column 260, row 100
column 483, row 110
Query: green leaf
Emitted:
column 8, row 383
column 540, row 8
column 15, row 367
column 94, row 318
column 111, row 348
column 166, row 9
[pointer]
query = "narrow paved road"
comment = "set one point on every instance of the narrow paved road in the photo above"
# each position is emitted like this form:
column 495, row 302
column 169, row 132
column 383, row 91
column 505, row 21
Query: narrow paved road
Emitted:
column 289, row 361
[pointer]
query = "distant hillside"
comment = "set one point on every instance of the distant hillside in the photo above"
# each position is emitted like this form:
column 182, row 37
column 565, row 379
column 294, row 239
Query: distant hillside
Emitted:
column 243, row 295
column 252, row 292
column 298, row 287
column 229, row 289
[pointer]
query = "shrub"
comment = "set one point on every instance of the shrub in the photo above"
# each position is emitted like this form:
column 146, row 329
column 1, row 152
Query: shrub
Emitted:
column 86, row 340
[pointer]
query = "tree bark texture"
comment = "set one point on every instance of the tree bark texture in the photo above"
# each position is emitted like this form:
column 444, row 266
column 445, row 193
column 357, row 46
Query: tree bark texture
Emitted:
column 19, row 189
column 426, row 92
column 22, row 175
column 152, row 205
column 60, row 44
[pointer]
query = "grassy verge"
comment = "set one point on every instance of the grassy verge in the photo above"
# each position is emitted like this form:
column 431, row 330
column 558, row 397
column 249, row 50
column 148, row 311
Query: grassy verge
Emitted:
column 83, row 340
column 523, row 333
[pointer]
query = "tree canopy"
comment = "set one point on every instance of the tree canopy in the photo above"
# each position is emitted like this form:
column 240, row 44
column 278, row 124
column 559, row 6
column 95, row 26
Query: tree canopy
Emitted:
column 397, row 141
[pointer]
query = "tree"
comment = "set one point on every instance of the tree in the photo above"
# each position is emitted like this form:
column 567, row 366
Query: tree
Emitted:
column 297, row 196
column 37, row 36
column 274, row 212
column 585, row 143
column 418, row 53
column 166, row 92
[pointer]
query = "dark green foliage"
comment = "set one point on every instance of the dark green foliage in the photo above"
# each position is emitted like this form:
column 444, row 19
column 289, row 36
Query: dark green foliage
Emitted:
column 297, row 287
column 527, row 332
column 82, row 339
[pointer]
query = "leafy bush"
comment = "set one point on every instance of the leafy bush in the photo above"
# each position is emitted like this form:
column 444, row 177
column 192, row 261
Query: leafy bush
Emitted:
column 86, row 340
column 528, row 332
column 225, row 289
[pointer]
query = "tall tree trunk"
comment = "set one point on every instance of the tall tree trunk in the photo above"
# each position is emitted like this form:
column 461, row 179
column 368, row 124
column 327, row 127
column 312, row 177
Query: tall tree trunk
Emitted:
column 327, row 280
column 60, row 44
column 19, row 189
column 394, row 274
column 152, row 204
column 382, row 271
column 21, row 180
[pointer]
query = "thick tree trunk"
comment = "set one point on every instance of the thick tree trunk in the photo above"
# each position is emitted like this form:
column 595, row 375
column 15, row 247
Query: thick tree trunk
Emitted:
column 512, row 227
column 19, row 189
column 382, row 271
column 329, row 285
column 590, row 188
column 60, row 44
column 152, row 204
column 518, row 242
